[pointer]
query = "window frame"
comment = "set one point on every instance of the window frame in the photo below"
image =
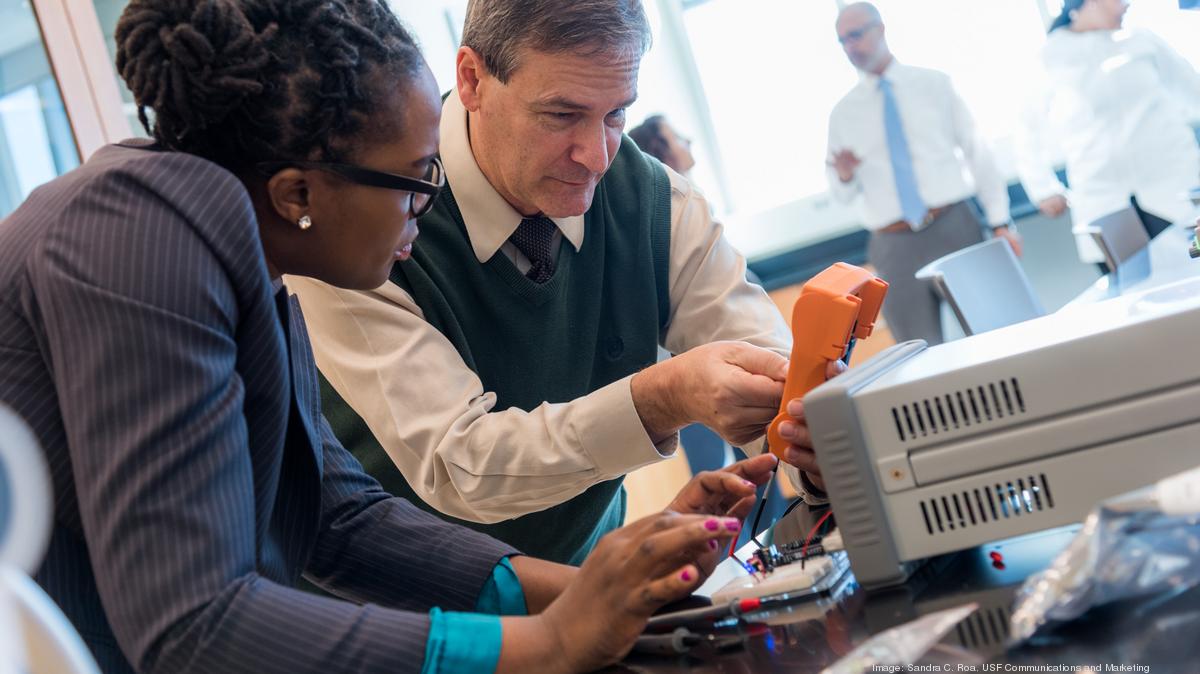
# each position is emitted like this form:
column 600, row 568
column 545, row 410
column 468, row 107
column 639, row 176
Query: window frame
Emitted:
column 86, row 77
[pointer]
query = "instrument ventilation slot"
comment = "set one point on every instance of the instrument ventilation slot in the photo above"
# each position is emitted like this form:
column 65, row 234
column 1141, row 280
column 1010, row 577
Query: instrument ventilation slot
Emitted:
column 949, row 412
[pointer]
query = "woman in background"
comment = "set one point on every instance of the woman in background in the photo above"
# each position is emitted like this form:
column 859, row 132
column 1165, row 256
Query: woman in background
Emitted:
column 146, row 337
column 1116, row 104
column 658, row 139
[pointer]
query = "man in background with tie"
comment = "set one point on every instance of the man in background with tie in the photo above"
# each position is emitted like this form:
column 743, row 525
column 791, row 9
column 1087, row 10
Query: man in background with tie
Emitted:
column 894, row 140
column 547, row 274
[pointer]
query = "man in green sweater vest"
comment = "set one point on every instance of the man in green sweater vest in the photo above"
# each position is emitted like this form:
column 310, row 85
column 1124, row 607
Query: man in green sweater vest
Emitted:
column 530, row 313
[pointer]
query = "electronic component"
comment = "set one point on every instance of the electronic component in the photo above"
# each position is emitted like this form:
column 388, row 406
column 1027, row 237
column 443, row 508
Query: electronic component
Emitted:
column 816, row 573
column 788, row 570
column 769, row 558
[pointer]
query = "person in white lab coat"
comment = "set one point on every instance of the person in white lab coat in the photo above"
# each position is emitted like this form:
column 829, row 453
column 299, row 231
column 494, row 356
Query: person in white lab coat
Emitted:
column 1115, row 105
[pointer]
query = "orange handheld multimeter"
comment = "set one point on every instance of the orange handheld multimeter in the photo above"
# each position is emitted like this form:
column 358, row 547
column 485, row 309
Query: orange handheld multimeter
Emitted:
column 835, row 307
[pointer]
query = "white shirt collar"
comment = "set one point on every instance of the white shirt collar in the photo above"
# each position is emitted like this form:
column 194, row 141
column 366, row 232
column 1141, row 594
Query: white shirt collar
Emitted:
column 870, row 80
column 489, row 219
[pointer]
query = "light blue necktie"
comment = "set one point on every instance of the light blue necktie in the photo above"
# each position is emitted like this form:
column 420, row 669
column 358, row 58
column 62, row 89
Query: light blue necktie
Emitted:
column 911, row 206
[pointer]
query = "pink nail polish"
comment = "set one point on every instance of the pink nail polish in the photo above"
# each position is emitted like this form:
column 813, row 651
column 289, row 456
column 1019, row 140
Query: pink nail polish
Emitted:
column 686, row 575
column 712, row 525
column 712, row 545
column 748, row 483
column 733, row 525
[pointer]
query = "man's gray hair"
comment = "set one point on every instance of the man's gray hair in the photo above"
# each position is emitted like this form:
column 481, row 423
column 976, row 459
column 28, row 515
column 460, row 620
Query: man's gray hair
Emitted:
column 499, row 29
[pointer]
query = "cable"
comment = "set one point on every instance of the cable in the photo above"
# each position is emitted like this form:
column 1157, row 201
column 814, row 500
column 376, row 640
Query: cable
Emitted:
column 828, row 527
column 849, row 349
column 762, row 505
column 804, row 550
column 792, row 506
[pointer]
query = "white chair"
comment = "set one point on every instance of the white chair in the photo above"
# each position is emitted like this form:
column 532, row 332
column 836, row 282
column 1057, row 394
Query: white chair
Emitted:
column 984, row 286
column 1119, row 235
column 35, row 636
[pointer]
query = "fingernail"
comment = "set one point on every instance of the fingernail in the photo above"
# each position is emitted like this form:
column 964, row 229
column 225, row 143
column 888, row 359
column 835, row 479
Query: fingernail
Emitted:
column 748, row 483
column 787, row 428
column 686, row 575
column 712, row 525
column 733, row 525
column 712, row 545
column 795, row 408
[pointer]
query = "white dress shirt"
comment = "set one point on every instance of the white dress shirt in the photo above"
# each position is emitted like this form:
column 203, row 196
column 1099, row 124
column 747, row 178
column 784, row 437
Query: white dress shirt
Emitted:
column 951, row 161
column 1115, row 105
column 430, row 411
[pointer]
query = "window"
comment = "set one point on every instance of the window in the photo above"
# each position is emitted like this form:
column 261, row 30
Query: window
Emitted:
column 666, row 86
column 772, row 70
column 36, row 144
column 109, row 12
column 1180, row 29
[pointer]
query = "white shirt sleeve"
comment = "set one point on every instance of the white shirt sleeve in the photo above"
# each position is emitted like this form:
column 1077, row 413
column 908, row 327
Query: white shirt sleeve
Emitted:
column 439, row 426
column 990, row 186
column 1178, row 74
column 840, row 191
column 1036, row 148
column 432, row 416
column 711, row 300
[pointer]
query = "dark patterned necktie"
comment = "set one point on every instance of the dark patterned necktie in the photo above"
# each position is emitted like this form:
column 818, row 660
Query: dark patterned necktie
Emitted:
column 533, row 238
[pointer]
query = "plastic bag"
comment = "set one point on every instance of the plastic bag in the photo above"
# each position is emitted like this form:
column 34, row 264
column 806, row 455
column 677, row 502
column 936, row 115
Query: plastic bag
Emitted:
column 1139, row 544
column 903, row 645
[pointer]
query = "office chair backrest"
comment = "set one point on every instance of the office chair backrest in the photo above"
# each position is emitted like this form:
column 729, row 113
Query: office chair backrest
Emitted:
column 984, row 286
column 35, row 636
column 46, row 642
column 1119, row 235
column 25, row 505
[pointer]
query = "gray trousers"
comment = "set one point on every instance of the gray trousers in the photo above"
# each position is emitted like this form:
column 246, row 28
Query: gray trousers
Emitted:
column 912, row 308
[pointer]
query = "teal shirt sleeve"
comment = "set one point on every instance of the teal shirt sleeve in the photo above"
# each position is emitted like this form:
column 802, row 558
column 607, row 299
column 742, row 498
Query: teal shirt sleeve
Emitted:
column 470, row 642
column 502, row 594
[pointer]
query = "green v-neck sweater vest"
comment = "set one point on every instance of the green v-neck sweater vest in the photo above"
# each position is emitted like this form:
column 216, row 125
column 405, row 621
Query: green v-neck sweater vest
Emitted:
column 597, row 320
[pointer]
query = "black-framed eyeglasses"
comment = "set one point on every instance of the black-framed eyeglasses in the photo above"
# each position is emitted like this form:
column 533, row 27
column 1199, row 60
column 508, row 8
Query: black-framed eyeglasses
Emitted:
column 853, row 36
column 421, row 192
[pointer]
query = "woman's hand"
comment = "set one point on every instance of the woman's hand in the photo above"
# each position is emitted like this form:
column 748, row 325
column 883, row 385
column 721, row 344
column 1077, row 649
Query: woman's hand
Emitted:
column 729, row 492
column 632, row 572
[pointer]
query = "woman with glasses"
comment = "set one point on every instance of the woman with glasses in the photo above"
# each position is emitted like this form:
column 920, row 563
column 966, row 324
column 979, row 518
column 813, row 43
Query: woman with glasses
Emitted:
column 146, row 337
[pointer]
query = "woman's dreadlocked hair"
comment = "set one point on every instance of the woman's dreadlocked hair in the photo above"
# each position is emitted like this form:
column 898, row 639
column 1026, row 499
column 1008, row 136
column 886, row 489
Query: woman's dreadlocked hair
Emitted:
column 244, row 81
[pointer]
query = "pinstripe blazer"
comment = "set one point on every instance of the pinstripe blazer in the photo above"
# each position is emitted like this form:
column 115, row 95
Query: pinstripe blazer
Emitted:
column 175, row 395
